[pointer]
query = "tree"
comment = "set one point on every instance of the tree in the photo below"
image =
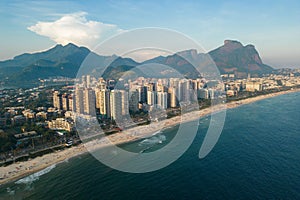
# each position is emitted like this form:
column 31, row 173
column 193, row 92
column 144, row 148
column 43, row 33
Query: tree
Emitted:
column 6, row 141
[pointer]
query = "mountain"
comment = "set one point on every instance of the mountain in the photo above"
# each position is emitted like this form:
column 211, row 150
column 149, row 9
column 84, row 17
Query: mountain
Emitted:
column 57, row 61
column 183, row 62
column 234, row 57
column 69, row 53
column 60, row 60
column 71, row 60
column 117, row 68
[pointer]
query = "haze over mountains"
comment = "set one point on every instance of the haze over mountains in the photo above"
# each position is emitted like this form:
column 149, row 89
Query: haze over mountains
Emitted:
column 232, row 57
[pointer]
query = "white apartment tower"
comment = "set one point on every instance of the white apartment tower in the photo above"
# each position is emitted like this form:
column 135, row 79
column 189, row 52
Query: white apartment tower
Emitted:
column 162, row 100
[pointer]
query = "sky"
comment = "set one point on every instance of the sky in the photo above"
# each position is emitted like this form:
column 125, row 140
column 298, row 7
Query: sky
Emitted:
column 272, row 26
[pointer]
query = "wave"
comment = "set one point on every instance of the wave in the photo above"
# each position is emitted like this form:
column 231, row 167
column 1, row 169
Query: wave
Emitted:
column 157, row 132
column 153, row 140
column 36, row 176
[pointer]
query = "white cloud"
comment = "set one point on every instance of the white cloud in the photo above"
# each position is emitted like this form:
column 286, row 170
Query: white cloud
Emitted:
column 75, row 28
column 146, row 54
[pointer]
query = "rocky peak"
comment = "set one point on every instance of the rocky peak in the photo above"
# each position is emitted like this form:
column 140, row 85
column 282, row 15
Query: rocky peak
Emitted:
column 233, row 56
column 232, row 45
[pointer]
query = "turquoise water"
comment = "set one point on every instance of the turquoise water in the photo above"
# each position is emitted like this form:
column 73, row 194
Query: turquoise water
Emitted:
column 256, row 157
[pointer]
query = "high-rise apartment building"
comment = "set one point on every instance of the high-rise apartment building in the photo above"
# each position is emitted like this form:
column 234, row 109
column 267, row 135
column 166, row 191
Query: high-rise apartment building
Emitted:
column 57, row 100
column 173, row 100
column 79, row 105
column 134, row 101
column 142, row 93
column 104, row 102
column 72, row 104
column 203, row 93
column 151, row 98
column 162, row 100
column 88, row 81
column 119, row 104
column 116, row 104
column 125, row 102
column 89, row 101
column 65, row 102
column 184, row 91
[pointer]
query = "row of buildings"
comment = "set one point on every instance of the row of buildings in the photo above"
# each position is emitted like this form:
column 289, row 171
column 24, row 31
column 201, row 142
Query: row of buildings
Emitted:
column 273, row 81
column 49, row 117
column 93, row 96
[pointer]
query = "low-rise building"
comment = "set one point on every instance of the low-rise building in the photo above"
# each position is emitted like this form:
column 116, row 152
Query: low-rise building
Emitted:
column 25, row 134
column 29, row 114
column 41, row 115
column 60, row 124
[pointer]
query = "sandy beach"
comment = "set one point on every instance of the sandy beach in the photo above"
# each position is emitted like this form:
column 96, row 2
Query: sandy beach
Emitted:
column 21, row 169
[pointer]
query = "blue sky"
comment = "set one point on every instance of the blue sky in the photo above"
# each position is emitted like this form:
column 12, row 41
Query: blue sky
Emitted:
column 272, row 26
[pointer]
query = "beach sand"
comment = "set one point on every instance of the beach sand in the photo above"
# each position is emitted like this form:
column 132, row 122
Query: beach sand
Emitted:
column 21, row 169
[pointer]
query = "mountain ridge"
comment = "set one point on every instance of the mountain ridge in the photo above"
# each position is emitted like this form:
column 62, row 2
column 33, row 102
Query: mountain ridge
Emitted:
column 66, row 60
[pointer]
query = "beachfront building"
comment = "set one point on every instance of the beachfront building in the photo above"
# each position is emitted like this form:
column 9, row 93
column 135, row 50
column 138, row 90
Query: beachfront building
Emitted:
column 231, row 93
column 173, row 100
column 134, row 101
column 116, row 104
column 151, row 98
column 162, row 100
column 184, row 90
column 119, row 105
column 203, row 93
column 252, row 86
column 103, row 101
column 125, row 102
column 211, row 93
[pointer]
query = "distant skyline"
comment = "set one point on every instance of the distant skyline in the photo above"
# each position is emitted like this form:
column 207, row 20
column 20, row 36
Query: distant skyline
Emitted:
column 272, row 26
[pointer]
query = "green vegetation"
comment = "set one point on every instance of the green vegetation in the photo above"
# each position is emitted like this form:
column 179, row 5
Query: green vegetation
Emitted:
column 6, row 141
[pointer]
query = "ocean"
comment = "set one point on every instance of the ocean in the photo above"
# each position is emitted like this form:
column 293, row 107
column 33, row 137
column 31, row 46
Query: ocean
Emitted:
column 257, row 157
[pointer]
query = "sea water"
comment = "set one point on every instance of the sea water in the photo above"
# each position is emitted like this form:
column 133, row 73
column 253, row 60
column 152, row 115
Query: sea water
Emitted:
column 256, row 157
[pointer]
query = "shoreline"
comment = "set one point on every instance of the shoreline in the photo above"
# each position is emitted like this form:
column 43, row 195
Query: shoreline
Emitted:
column 22, row 169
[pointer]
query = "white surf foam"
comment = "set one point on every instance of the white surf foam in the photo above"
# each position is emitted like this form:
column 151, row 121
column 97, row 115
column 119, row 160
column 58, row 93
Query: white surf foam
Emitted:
column 153, row 140
column 36, row 176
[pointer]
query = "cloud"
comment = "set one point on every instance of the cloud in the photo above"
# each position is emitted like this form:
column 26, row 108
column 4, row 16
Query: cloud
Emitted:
column 146, row 54
column 75, row 28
